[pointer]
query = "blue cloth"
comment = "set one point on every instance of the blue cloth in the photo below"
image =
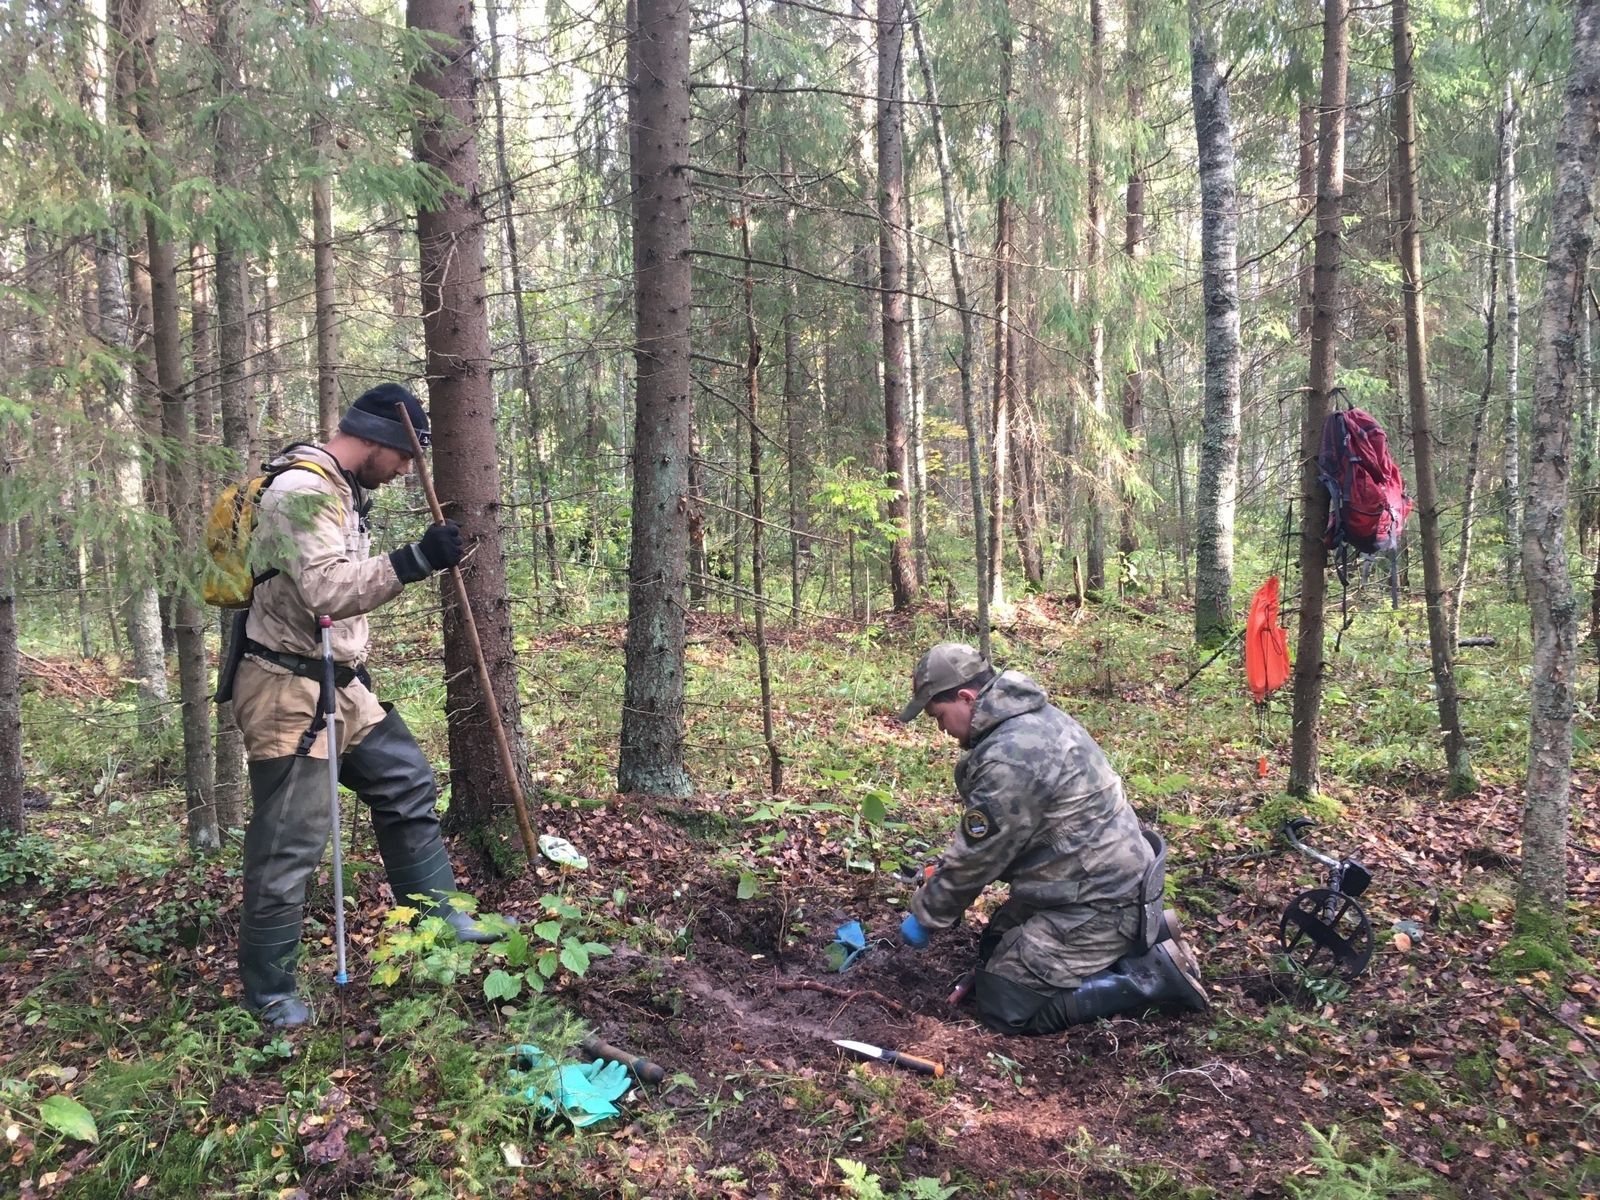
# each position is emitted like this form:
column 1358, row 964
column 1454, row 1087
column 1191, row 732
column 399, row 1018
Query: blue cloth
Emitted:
column 911, row 929
column 849, row 944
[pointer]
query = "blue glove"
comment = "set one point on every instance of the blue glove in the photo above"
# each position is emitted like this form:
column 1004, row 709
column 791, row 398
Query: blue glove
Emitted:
column 911, row 929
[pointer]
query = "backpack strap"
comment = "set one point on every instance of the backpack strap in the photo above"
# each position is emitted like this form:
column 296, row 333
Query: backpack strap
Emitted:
column 273, row 472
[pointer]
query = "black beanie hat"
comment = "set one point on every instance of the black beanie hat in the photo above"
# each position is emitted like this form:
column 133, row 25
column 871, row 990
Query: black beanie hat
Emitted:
column 373, row 418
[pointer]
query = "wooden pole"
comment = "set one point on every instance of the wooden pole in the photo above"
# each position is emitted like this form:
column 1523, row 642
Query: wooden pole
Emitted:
column 529, row 842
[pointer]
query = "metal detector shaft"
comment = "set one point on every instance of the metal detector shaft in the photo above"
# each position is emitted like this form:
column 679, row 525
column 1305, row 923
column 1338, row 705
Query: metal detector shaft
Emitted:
column 330, row 704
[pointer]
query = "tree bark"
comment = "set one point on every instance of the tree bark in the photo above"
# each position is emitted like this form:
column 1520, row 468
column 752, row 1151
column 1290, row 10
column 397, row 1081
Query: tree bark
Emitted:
column 752, row 396
column 1440, row 643
column 530, row 394
column 892, row 283
column 1542, row 888
column 1004, row 380
column 1308, row 665
column 11, row 811
column 233, row 345
column 1101, row 477
column 651, row 758
column 1217, row 489
column 1480, row 416
column 466, row 464
column 177, row 428
column 956, row 237
column 1134, row 247
column 1511, row 468
column 324, row 269
column 793, row 410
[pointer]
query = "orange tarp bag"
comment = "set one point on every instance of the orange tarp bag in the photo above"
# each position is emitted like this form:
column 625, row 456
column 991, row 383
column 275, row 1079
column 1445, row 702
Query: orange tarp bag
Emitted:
column 1266, row 646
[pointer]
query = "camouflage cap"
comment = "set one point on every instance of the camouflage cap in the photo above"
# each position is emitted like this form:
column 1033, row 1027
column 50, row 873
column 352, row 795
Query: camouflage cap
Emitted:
column 948, row 665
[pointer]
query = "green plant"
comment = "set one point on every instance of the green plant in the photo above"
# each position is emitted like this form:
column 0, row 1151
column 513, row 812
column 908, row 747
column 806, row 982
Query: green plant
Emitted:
column 1350, row 1175
column 26, row 859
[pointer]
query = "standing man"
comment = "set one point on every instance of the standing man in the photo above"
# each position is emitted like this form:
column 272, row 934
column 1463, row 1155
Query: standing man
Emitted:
column 1083, row 934
column 310, row 550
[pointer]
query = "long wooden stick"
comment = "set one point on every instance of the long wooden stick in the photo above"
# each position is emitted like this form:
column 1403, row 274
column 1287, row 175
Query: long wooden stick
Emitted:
column 502, row 743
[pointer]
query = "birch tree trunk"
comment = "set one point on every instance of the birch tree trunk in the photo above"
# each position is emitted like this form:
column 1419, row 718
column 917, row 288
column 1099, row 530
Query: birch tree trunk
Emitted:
column 1440, row 642
column 1004, row 385
column 892, row 282
column 1308, row 663
column 1542, row 888
column 651, row 758
column 1480, row 416
column 1101, row 481
column 956, row 238
column 136, row 564
column 466, row 464
column 1133, row 246
column 324, row 269
column 1217, row 489
column 1511, row 463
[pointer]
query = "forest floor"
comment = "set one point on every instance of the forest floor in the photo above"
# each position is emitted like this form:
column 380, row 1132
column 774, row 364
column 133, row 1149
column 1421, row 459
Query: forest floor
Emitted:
column 1461, row 1064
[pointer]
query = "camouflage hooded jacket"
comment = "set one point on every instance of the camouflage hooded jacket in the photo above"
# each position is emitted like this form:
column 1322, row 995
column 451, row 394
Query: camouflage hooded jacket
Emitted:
column 1043, row 811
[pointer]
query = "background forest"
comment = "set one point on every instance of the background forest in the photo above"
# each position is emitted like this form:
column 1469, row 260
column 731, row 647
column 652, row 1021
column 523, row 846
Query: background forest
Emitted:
column 765, row 344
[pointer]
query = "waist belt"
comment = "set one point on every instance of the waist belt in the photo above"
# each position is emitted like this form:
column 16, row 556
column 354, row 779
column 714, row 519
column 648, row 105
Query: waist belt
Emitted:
column 306, row 668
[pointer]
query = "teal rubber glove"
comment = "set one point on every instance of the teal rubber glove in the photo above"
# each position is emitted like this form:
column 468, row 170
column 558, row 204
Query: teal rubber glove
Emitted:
column 911, row 929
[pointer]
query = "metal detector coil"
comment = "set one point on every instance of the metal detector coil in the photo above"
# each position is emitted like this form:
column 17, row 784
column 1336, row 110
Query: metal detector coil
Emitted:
column 1325, row 931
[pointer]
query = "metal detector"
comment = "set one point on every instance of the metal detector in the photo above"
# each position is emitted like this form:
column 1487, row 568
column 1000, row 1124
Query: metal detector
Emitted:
column 1325, row 931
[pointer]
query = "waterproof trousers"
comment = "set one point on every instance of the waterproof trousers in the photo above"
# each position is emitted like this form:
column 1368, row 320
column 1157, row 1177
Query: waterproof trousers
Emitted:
column 289, row 830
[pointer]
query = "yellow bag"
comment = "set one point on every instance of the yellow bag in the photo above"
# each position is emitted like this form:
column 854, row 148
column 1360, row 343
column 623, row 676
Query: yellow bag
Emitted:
column 229, row 581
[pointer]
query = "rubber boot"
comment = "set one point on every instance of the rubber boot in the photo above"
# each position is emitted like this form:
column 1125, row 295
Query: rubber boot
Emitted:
column 392, row 776
column 287, row 833
column 1133, row 984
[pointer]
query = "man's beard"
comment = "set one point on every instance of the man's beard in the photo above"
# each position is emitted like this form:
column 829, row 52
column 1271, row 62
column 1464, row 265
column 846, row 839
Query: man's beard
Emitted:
column 366, row 472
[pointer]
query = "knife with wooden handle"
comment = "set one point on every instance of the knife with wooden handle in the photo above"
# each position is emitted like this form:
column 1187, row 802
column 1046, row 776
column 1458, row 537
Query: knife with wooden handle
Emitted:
column 895, row 1058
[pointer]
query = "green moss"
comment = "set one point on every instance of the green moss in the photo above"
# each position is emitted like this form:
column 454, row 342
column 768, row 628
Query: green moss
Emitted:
column 1274, row 812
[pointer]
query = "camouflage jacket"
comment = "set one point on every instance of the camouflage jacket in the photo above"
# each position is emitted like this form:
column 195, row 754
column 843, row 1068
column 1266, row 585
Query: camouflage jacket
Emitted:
column 313, row 531
column 1043, row 811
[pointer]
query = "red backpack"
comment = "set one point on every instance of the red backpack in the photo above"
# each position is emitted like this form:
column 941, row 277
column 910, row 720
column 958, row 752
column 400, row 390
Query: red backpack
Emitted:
column 1367, row 501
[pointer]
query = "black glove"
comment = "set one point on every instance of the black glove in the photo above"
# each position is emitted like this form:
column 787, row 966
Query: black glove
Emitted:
column 439, row 547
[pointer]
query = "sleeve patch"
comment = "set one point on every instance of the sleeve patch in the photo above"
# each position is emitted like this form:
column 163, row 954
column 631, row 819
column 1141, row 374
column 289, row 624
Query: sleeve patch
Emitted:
column 977, row 824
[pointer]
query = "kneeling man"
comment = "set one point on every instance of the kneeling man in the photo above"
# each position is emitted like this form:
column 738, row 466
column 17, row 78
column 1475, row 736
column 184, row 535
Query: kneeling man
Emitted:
column 1083, row 934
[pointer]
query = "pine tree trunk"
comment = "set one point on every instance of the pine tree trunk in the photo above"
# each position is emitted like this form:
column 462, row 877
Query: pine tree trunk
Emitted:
column 1004, row 383
column 203, row 349
column 651, row 758
column 1511, row 468
column 1440, row 644
column 1542, row 888
column 793, row 411
column 956, row 239
column 1585, row 466
column 177, row 427
column 466, row 469
column 1217, row 489
column 1308, row 664
column 892, row 282
column 530, row 393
